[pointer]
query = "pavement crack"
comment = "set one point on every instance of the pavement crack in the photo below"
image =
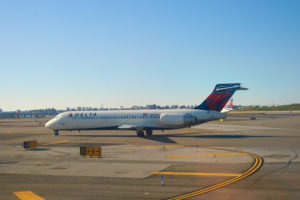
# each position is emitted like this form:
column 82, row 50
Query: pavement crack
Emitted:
column 278, row 169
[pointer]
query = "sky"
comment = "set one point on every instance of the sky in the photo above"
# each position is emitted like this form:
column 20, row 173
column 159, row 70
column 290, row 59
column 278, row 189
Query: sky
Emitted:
column 59, row 53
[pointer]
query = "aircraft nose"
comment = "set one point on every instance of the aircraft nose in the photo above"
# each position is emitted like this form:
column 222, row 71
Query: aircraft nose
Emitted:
column 49, row 124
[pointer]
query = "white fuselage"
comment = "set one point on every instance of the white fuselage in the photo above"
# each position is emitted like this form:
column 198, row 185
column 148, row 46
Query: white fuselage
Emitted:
column 132, row 119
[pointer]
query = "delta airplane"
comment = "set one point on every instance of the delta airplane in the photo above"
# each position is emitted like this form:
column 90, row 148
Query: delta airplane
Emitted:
column 147, row 120
column 228, row 108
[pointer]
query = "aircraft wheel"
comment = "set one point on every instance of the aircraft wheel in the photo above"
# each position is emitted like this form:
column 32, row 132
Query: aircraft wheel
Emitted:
column 140, row 133
column 149, row 132
column 56, row 132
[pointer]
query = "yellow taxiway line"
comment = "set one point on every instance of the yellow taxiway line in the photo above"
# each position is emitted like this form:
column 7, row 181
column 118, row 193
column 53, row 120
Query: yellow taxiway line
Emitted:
column 28, row 195
column 258, row 162
column 57, row 142
column 153, row 147
column 217, row 154
column 195, row 174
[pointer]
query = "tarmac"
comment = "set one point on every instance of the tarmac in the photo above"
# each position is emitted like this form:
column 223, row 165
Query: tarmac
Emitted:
column 238, row 158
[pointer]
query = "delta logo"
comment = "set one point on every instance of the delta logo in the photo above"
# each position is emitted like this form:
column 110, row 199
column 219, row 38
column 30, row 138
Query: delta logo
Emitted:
column 83, row 115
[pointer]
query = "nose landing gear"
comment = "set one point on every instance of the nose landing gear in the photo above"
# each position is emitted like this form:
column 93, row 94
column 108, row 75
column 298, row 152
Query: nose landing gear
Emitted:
column 56, row 132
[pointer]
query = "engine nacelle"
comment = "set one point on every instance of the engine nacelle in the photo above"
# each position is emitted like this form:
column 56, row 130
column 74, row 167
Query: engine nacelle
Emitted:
column 173, row 119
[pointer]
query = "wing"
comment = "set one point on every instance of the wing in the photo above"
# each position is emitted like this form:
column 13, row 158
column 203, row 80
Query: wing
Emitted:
column 134, row 127
column 129, row 126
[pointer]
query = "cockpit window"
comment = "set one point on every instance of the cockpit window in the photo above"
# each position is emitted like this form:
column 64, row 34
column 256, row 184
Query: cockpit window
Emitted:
column 58, row 116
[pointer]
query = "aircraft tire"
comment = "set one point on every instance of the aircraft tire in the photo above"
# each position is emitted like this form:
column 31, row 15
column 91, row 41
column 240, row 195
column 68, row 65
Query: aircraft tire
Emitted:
column 56, row 132
column 140, row 133
column 149, row 132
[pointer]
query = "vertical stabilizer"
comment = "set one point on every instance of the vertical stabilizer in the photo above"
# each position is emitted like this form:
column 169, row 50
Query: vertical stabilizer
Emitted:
column 221, row 94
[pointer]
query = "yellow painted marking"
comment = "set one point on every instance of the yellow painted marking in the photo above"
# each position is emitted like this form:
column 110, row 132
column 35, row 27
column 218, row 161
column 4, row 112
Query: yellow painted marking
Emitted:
column 152, row 147
column 28, row 195
column 9, row 131
column 195, row 174
column 217, row 154
column 57, row 142
column 181, row 131
column 258, row 162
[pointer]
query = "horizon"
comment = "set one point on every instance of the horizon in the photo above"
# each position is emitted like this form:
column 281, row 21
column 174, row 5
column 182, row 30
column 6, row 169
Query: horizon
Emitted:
column 122, row 53
column 143, row 107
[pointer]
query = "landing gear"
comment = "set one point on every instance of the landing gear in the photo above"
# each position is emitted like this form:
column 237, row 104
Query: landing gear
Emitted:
column 56, row 132
column 149, row 132
column 140, row 133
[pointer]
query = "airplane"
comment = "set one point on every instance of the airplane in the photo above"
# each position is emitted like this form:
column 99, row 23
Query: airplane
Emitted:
column 147, row 120
column 228, row 108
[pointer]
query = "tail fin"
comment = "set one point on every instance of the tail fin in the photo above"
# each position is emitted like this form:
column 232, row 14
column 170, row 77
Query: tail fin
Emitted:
column 220, row 96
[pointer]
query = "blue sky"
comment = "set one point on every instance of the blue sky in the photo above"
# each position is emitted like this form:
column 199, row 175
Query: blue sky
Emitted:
column 91, row 53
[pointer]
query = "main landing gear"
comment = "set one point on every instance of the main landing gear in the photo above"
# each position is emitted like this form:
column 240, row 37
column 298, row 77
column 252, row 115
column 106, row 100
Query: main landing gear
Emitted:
column 149, row 132
column 56, row 132
column 140, row 133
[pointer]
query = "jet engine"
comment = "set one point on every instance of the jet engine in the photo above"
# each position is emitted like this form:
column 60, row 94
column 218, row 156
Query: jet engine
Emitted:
column 173, row 119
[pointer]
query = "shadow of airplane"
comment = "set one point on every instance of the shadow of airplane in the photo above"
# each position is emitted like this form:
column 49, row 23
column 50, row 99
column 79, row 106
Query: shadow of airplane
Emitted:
column 224, row 136
column 165, row 138
column 38, row 149
column 104, row 136
column 157, row 138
